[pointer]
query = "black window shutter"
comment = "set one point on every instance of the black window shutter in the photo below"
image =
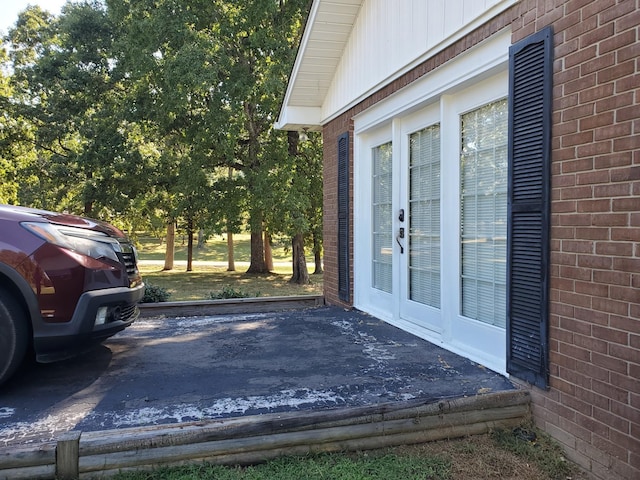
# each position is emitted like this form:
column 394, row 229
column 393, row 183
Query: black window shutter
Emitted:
column 530, row 94
column 343, row 217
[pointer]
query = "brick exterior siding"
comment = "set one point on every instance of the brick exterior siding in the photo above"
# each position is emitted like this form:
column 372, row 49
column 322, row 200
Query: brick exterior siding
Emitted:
column 593, row 404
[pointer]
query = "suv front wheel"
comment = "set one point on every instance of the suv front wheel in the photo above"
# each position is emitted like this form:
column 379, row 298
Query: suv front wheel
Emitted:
column 14, row 338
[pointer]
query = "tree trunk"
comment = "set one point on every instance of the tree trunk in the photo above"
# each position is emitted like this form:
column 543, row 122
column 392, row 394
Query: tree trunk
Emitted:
column 317, row 255
column 300, row 272
column 268, row 254
column 231, row 264
column 258, row 264
column 169, row 249
column 190, row 246
column 256, row 216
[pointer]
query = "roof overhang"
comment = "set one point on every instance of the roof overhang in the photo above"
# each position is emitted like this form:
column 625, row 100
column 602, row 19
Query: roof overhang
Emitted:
column 326, row 34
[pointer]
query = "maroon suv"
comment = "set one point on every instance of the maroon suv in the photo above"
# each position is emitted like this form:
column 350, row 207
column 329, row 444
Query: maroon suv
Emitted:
column 66, row 282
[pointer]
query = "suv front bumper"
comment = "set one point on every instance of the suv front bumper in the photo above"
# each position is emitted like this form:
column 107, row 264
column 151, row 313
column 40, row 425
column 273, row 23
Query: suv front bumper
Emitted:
column 99, row 314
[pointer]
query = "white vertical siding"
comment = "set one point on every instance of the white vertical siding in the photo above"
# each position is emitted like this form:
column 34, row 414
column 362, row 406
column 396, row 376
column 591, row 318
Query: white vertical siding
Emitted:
column 454, row 15
column 471, row 9
column 391, row 35
column 433, row 21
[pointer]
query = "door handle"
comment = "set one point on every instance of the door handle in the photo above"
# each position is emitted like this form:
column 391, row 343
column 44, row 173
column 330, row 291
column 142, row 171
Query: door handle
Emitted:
column 398, row 237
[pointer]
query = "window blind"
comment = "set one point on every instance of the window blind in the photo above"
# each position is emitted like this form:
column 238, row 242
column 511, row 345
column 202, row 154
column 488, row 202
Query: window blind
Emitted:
column 382, row 268
column 484, row 213
column 424, row 216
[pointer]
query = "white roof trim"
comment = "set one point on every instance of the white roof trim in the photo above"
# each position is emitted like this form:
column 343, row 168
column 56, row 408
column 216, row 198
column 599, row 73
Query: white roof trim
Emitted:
column 326, row 34
column 299, row 118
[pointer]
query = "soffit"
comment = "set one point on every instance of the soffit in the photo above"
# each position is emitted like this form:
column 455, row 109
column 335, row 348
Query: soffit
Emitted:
column 326, row 34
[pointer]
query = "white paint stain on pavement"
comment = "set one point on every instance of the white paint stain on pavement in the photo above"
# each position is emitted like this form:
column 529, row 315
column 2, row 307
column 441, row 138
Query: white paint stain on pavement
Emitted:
column 60, row 417
column 221, row 407
column 48, row 427
column 7, row 412
column 44, row 429
column 372, row 348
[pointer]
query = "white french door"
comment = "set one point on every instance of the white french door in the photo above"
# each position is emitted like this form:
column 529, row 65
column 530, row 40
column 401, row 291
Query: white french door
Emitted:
column 420, row 221
column 430, row 221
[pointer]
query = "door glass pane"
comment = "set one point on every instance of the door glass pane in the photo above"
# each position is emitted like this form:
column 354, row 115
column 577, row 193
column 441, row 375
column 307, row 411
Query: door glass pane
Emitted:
column 424, row 216
column 382, row 218
column 484, row 213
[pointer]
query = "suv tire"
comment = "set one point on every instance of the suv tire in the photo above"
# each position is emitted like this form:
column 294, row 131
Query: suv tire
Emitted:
column 14, row 338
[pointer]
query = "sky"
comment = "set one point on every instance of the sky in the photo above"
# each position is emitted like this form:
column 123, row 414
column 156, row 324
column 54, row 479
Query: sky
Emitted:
column 9, row 10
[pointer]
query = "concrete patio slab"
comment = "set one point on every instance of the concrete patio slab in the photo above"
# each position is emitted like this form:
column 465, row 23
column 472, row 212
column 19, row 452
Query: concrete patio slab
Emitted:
column 171, row 370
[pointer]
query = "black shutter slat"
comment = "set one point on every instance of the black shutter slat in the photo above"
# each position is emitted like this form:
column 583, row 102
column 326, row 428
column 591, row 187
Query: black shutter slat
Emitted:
column 530, row 81
column 343, row 217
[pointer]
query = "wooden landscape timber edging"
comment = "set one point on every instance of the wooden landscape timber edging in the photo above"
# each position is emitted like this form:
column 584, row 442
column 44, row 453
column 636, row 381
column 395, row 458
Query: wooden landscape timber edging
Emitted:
column 254, row 439
column 28, row 462
column 229, row 306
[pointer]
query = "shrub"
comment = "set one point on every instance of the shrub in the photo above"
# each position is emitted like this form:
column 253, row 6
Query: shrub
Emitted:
column 155, row 294
column 230, row 292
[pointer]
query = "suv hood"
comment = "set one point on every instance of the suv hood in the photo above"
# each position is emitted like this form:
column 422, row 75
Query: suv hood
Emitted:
column 24, row 214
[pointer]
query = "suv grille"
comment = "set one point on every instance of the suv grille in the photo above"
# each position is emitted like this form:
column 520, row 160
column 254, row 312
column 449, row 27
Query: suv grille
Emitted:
column 129, row 260
column 127, row 312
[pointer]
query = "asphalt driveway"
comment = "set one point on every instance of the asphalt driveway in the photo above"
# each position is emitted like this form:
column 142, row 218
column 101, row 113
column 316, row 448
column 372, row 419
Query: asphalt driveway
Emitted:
column 168, row 370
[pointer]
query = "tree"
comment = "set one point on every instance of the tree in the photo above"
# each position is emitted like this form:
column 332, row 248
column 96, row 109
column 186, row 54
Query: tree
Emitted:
column 311, row 168
column 298, row 223
column 170, row 53
column 11, row 147
column 67, row 87
column 258, row 41
column 301, row 197
column 24, row 163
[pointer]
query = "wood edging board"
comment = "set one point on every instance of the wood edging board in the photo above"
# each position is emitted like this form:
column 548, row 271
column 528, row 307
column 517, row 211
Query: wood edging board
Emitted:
column 252, row 439
column 229, row 306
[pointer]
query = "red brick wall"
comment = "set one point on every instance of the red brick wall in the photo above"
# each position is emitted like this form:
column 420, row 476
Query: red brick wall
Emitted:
column 593, row 404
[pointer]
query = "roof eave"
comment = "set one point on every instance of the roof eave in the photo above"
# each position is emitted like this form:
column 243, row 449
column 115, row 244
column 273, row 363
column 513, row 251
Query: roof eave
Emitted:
column 304, row 112
column 299, row 119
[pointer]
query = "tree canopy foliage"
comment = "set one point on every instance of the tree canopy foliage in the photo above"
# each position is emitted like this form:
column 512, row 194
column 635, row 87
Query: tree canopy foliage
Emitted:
column 147, row 113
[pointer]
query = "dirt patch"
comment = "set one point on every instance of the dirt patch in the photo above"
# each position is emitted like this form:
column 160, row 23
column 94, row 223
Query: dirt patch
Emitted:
column 482, row 457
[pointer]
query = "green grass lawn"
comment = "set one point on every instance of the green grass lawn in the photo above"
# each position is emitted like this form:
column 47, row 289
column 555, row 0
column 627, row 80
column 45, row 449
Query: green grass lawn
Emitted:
column 207, row 279
column 215, row 249
column 198, row 284
column 501, row 454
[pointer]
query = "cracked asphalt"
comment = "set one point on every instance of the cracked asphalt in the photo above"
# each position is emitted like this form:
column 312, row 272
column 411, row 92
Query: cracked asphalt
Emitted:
column 168, row 370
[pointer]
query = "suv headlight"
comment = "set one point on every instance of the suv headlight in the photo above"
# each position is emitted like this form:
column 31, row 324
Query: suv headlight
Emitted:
column 87, row 242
